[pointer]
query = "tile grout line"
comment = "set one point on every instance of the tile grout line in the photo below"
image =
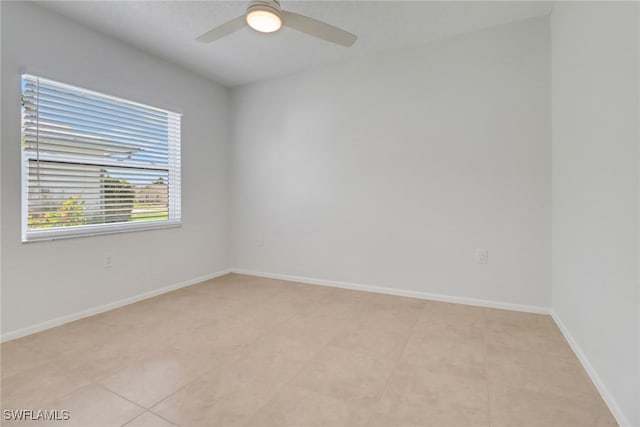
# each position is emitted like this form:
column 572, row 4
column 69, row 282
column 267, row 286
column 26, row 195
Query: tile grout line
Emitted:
column 152, row 413
column 320, row 298
column 293, row 377
column 262, row 334
column 486, row 363
column 141, row 360
column 150, row 409
column 278, row 389
column 121, row 396
column 397, row 362
column 134, row 418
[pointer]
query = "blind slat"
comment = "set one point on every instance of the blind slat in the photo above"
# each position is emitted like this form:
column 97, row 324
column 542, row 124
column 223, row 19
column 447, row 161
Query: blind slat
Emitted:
column 95, row 109
column 34, row 135
column 121, row 122
column 148, row 158
column 90, row 127
column 36, row 84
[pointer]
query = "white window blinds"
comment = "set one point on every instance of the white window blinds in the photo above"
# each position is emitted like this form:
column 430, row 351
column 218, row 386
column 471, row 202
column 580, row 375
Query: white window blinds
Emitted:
column 95, row 164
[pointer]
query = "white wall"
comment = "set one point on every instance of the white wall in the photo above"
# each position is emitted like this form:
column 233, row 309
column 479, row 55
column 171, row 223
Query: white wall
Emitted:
column 596, row 119
column 46, row 280
column 391, row 170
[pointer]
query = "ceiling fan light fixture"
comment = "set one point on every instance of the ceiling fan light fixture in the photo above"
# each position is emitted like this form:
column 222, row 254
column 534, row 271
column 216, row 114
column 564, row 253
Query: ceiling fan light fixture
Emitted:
column 264, row 19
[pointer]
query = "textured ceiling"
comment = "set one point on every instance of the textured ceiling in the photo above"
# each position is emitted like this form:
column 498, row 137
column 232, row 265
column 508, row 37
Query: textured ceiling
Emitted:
column 169, row 28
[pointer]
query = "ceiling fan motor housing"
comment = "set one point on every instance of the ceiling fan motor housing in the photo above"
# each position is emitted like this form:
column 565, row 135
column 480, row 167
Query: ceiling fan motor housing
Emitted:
column 266, row 5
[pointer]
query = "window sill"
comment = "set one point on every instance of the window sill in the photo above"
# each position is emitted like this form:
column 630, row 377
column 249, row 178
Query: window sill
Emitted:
column 95, row 230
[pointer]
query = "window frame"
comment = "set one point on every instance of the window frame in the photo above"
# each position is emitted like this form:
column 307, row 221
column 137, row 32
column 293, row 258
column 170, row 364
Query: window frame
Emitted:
column 173, row 170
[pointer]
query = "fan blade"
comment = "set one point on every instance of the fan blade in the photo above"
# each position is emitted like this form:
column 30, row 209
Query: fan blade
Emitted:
column 223, row 30
column 318, row 29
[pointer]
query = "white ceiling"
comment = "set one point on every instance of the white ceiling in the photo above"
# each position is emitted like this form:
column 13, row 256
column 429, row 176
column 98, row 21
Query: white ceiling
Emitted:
column 169, row 28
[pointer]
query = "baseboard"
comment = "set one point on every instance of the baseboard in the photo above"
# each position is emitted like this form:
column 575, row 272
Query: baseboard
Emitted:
column 398, row 292
column 593, row 374
column 106, row 307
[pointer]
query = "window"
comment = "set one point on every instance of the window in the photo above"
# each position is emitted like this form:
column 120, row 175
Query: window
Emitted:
column 94, row 164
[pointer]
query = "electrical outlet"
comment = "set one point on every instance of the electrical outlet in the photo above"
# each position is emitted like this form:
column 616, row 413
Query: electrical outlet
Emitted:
column 108, row 260
column 482, row 256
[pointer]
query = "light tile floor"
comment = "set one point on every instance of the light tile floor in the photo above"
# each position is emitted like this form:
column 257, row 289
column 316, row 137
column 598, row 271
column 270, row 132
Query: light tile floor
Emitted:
column 245, row 351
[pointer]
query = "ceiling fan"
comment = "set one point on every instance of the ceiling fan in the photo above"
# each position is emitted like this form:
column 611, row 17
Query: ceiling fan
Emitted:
column 266, row 16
